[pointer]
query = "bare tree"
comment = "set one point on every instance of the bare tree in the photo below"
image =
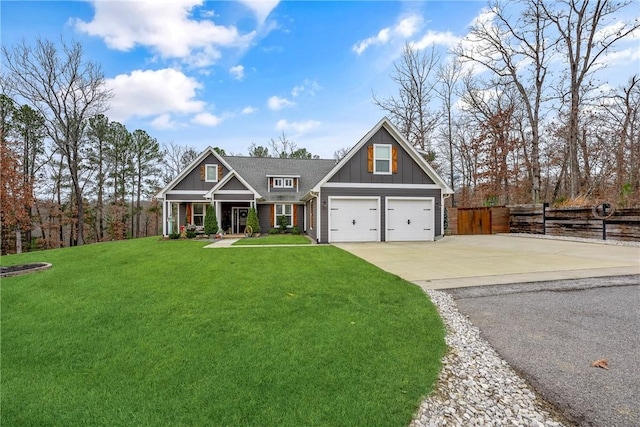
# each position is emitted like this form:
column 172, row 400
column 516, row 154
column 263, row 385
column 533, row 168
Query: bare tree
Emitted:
column 67, row 90
column 584, row 40
column 282, row 147
column 410, row 110
column 517, row 51
column 175, row 158
column 340, row 153
column 448, row 75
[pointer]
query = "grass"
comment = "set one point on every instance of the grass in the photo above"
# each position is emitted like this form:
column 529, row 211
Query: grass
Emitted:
column 274, row 239
column 149, row 333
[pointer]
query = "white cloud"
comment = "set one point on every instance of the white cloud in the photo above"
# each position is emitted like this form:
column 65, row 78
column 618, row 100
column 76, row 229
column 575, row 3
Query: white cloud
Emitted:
column 164, row 122
column 249, row 110
column 297, row 127
column 165, row 27
column 404, row 29
column 237, row 72
column 261, row 8
column 207, row 119
column 432, row 38
column 277, row 103
column 308, row 86
column 153, row 92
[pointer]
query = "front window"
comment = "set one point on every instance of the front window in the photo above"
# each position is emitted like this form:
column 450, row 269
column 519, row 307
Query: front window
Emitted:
column 382, row 159
column 287, row 212
column 282, row 182
column 198, row 214
column 211, row 173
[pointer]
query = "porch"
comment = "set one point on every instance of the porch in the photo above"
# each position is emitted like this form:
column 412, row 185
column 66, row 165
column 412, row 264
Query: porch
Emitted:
column 231, row 215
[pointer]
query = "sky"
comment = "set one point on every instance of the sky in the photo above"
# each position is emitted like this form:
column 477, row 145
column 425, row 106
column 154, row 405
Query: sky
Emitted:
column 231, row 73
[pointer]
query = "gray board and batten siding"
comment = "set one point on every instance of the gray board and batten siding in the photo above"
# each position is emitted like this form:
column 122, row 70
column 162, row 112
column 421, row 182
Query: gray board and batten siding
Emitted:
column 356, row 169
column 381, row 193
column 193, row 182
column 234, row 184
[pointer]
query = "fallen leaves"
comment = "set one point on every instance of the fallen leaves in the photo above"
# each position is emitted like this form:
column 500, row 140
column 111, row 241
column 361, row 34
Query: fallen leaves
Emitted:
column 600, row 363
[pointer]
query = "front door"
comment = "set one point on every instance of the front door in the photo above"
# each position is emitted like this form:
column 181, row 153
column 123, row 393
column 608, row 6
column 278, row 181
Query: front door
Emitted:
column 239, row 219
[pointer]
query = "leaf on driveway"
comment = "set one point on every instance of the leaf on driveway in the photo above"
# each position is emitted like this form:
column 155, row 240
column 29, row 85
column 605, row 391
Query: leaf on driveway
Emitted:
column 600, row 363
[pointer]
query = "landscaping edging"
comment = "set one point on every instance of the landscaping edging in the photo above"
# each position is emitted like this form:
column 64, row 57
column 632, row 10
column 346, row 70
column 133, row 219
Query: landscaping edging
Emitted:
column 17, row 270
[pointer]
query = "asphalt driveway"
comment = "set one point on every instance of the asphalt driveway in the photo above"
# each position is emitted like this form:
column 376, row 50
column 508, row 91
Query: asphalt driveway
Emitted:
column 551, row 332
column 457, row 261
column 549, row 307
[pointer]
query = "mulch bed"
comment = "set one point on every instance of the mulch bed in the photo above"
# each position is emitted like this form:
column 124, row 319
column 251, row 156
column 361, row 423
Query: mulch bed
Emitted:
column 15, row 270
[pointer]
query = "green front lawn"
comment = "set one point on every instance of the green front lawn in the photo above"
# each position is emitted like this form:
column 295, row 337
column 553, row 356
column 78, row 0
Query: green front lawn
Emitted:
column 147, row 332
column 274, row 239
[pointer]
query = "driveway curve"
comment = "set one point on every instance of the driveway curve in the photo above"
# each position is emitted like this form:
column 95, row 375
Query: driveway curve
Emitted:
column 459, row 261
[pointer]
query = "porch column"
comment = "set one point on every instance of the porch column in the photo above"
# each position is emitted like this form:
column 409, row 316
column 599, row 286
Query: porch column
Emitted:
column 218, row 208
column 164, row 218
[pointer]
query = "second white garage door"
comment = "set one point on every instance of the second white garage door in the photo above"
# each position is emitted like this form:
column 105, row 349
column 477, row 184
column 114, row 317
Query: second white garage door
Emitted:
column 409, row 219
column 354, row 219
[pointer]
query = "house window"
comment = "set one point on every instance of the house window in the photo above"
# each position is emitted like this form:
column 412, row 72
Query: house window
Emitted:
column 286, row 211
column 282, row 182
column 198, row 214
column 382, row 159
column 211, row 173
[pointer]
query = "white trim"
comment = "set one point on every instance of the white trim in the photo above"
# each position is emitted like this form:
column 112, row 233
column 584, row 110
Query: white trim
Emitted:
column 386, row 216
column 401, row 140
column 195, row 192
column 284, row 180
column 330, row 198
column 283, row 176
column 275, row 214
column 186, row 171
column 233, row 192
column 214, row 190
column 390, row 159
column 206, row 169
column 371, row 185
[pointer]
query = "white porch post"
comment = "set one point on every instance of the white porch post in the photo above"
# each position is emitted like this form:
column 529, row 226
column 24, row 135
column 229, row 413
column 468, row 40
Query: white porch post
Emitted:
column 164, row 218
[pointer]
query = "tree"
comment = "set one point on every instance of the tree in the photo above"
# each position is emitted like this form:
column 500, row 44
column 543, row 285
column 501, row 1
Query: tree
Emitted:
column 410, row 110
column 219, row 151
column 175, row 158
column 252, row 220
column 258, row 150
column 210, row 221
column 340, row 153
column 98, row 132
column 146, row 156
column 16, row 195
column 282, row 147
column 518, row 52
column 66, row 89
column 584, row 39
column 448, row 75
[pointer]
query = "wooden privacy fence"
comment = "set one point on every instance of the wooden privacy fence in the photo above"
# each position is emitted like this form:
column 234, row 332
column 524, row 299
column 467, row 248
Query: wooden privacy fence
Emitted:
column 624, row 224
column 485, row 220
column 580, row 221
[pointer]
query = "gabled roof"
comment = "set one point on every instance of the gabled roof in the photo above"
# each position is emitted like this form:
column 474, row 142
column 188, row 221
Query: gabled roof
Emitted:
column 189, row 168
column 226, row 179
column 255, row 170
column 395, row 133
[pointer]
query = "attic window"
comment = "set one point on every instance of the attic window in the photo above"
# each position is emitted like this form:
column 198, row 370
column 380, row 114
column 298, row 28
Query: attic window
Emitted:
column 282, row 182
column 211, row 173
column 382, row 159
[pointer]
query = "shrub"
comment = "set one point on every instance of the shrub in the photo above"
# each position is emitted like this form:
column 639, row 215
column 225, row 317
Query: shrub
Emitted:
column 274, row 231
column 210, row 221
column 283, row 222
column 295, row 230
column 191, row 234
column 174, row 235
column 252, row 221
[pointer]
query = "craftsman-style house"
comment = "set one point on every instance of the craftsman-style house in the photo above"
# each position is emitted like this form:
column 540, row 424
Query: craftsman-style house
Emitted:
column 382, row 190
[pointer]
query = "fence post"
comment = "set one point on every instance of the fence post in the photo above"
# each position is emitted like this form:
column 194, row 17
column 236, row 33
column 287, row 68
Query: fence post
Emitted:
column 604, row 229
column 544, row 217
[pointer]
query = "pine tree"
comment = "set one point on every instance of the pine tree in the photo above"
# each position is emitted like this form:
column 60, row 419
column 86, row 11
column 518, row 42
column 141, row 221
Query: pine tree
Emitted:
column 210, row 221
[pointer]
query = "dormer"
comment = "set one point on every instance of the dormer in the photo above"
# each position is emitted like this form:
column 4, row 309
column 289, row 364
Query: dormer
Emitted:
column 283, row 183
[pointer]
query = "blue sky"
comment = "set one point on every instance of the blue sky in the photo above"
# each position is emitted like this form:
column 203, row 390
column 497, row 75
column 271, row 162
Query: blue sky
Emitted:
column 230, row 74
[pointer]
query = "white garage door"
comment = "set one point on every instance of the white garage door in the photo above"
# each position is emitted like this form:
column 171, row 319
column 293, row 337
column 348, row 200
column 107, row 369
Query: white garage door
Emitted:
column 354, row 219
column 409, row 219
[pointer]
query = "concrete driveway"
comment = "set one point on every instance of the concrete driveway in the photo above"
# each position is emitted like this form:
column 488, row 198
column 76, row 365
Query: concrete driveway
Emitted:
column 458, row 261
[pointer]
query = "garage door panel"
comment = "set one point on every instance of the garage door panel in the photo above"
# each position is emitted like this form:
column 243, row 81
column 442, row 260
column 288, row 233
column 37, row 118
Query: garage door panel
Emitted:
column 354, row 220
column 409, row 219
